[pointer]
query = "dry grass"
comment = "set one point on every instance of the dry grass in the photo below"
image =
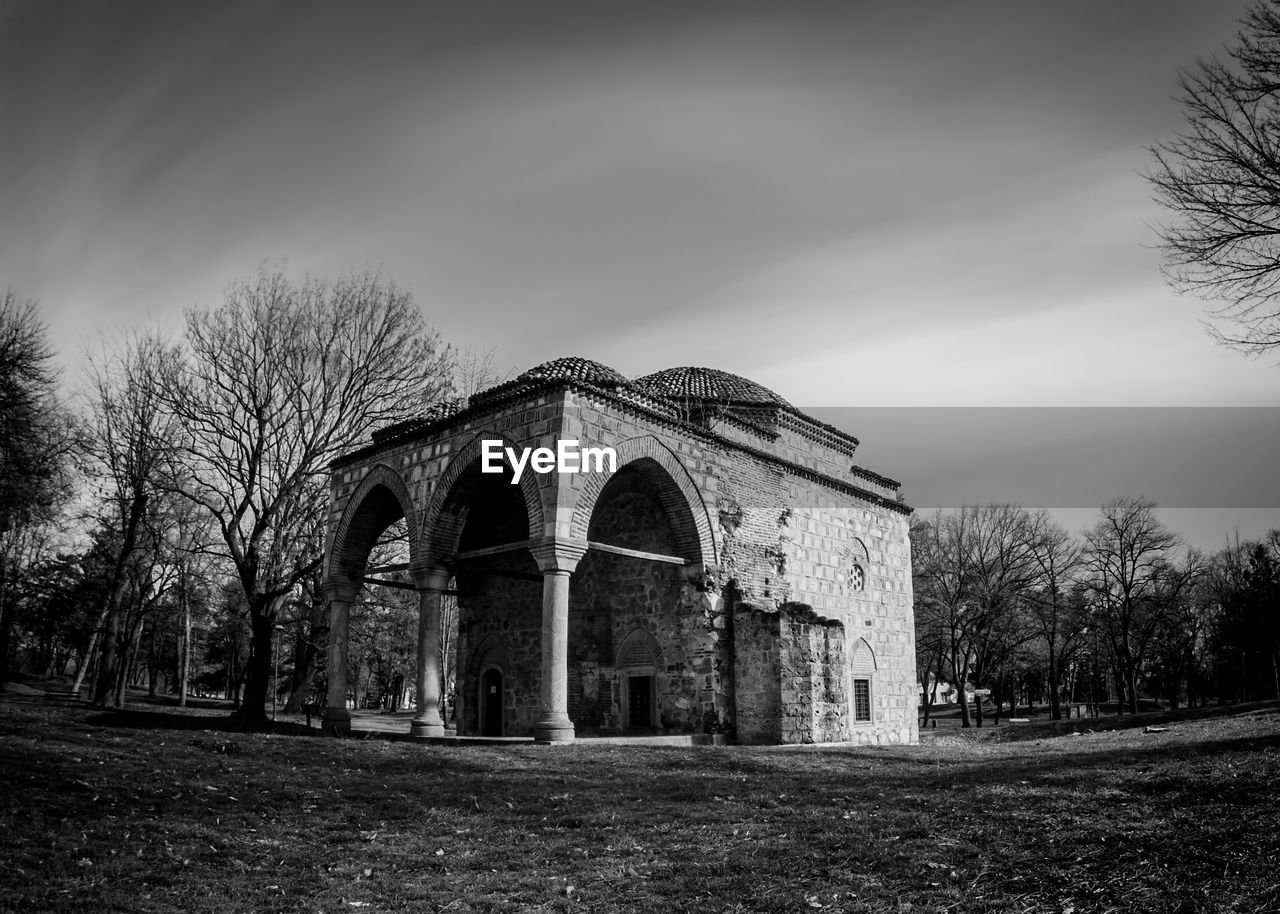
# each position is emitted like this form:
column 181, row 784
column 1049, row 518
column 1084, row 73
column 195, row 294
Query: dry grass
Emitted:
column 133, row 813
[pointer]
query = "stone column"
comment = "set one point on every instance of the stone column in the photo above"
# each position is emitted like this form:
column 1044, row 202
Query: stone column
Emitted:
column 431, row 586
column 335, row 718
column 557, row 559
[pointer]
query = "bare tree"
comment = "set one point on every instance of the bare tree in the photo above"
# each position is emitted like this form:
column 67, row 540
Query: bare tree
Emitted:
column 998, row 545
column 269, row 389
column 943, row 587
column 129, row 439
column 475, row 370
column 1055, row 609
column 1221, row 180
column 1129, row 559
column 971, row 569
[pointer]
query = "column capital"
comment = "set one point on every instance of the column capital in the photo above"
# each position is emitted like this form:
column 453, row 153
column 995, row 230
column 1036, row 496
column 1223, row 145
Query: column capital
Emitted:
column 557, row 554
column 339, row 588
column 435, row 579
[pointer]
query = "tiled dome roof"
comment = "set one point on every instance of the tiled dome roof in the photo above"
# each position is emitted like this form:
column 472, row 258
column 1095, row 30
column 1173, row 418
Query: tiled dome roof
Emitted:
column 575, row 368
column 709, row 385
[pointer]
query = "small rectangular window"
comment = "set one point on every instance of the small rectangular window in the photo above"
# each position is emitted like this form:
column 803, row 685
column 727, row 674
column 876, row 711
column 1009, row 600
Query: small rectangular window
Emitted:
column 862, row 699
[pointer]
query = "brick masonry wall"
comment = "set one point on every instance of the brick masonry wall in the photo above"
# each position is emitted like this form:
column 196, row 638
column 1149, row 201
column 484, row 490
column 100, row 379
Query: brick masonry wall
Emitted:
column 757, row 641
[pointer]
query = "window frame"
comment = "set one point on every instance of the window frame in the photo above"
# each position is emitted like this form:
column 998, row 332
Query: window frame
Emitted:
column 864, row 681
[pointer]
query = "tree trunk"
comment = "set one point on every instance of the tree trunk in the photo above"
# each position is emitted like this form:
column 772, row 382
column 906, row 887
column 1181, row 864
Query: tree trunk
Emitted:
column 153, row 664
column 86, row 661
column 1131, row 683
column 7, row 616
column 257, row 673
column 184, row 649
column 959, row 674
column 134, row 640
column 306, row 652
column 109, row 664
column 1055, row 688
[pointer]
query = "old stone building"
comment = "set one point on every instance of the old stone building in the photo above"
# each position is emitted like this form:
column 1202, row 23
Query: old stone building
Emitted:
column 732, row 573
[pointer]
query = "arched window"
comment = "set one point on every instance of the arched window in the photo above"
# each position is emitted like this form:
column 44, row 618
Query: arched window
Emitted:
column 859, row 562
column 863, row 667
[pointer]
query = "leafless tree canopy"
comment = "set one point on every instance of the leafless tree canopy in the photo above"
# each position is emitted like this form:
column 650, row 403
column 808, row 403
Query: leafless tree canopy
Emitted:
column 1221, row 180
column 129, row 442
column 271, row 387
column 475, row 370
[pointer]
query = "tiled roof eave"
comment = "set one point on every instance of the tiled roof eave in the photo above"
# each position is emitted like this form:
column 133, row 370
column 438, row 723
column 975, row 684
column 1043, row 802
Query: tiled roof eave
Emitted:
column 670, row 420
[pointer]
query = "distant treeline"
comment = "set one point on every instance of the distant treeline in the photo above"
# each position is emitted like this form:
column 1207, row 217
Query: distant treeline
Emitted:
column 1017, row 609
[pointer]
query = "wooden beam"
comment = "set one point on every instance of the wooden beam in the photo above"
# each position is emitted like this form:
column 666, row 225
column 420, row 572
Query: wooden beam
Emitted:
column 383, row 582
column 383, row 569
column 400, row 585
column 491, row 550
column 637, row 554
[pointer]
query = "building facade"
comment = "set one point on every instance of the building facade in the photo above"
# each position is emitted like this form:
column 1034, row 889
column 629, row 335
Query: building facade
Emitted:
column 708, row 561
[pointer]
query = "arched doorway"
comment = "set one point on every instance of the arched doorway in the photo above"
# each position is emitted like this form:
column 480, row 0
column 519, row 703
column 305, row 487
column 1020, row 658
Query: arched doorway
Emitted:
column 637, row 666
column 491, row 703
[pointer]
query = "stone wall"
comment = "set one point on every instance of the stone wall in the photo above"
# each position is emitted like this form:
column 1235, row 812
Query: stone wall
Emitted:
column 502, row 612
column 812, row 676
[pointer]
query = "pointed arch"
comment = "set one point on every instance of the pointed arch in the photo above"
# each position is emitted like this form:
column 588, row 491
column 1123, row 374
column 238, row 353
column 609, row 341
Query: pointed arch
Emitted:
column 638, row 648
column 445, row 514
column 638, row 662
column 862, row 659
column 490, row 652
column 380, row 499
column 675, row 489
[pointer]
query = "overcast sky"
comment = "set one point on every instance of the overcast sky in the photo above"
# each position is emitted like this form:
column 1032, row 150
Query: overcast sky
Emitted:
column 858, row 205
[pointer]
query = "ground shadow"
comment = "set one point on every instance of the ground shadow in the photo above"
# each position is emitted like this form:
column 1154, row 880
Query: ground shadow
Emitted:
column 139, row 719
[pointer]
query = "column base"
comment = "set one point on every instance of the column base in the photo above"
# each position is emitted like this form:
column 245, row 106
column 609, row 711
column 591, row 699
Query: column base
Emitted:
column 558, row 729
column 425, row 728
column 336, row 721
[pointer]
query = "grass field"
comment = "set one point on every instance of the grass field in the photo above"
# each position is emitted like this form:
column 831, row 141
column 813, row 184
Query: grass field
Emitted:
column 152, row 811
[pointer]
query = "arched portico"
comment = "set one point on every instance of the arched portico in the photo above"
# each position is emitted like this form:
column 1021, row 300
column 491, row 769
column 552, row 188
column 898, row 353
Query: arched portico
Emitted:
column 491, row 533
column 672, row 485
column 453, row 498
column 380, row 500
column 637, row 659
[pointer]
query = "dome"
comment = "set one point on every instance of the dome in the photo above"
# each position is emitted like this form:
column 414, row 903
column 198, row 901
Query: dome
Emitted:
column 709, row 385
column 574, row 368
